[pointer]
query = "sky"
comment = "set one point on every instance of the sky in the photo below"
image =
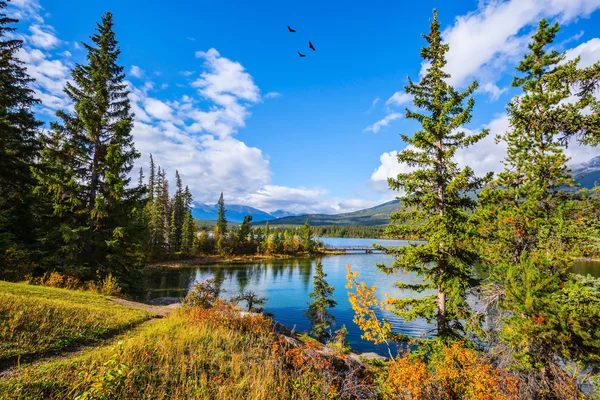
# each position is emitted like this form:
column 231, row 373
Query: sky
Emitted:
column 221, row 95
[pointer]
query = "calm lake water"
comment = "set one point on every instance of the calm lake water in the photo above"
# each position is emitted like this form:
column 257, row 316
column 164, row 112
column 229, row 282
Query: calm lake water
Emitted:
column 287, row 284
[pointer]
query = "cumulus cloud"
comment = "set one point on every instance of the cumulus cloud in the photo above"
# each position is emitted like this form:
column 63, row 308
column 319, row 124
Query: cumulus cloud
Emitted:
column 398, row 99
column 493, row 90
column 136, row 71
column 495, row 35
column 588, row 53
column 42, row 36
column 385, row 121
column 302, row 200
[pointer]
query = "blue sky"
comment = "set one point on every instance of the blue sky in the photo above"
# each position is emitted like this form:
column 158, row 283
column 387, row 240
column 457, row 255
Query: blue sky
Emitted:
column 221, row 95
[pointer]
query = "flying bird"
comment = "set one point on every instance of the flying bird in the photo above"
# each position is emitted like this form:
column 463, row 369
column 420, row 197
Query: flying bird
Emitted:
column 311, row 45
column 290, row 29
column 301, row 55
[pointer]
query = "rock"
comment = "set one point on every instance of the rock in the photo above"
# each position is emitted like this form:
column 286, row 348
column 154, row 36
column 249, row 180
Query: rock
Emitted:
column 166, row 300
column 372, row 356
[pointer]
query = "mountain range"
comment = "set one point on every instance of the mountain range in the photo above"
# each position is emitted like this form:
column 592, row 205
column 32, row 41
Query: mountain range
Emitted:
column 586, row 175
column 236, row 213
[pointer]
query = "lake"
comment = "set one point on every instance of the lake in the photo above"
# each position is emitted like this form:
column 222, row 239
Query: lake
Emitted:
column 287, row 284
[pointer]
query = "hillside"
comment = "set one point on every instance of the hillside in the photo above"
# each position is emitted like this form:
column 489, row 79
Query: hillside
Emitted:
column 375, row 216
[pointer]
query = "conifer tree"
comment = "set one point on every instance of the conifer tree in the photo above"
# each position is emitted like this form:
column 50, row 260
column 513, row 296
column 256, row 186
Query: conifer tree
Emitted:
column 221, row 221
column 189, row 229
column 177, row 214
column 96, row 160
column 151, row 179
column 530, row 222
column 435, row 203
column 19, row 143
column 321, row 320
column 266, row 240
column 307, row 242
column 244, row 233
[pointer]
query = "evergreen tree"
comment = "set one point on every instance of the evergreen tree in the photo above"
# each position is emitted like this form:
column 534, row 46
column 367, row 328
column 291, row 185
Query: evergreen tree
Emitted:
column 307, row 242
column 98, row 156
column 531, row 227
column 221, row 221
column 19, row 143
column 267, row 238
column 177, row 214
column 151, row 179
column 435, row 203
column 321, row 320
column 189, row 229
column 244, row 234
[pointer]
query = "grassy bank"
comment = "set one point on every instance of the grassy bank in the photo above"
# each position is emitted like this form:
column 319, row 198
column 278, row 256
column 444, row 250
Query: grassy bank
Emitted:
column 36, row 320
column 194, row 353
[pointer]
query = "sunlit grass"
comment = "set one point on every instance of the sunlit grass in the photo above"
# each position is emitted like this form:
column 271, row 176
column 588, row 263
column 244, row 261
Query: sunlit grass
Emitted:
column 194, row 353
column 36, row 320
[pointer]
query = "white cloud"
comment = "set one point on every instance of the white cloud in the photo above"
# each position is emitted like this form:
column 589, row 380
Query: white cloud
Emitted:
column 66, row 54
column 493, row 90
column 373, row 104
column 158, row 109
column 398, row 99
column 302, row 200
column 43, row 37
column 376, row 127
column 589, row 53
column 187, row 73
column 136, row 71
column 272, row 95
column 483, row 42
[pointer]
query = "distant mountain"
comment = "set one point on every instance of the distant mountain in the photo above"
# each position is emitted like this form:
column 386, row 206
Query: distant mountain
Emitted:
column 235, row 213
column 379, row 215
column 588, row 173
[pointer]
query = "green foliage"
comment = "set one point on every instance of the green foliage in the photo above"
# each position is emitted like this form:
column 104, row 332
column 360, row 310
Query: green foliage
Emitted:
column 435, row 203
column 19, row 145
column 533, row 223
column 204, row 294
column 307, row 242
column 321, row 320
column 88, row 158
column 221, row 220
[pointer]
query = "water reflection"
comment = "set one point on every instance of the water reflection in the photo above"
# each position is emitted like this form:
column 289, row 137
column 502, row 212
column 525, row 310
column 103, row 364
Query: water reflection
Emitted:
column 287, row 283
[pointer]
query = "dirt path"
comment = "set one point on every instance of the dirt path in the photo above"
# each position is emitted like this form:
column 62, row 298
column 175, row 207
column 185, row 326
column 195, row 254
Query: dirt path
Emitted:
column 162, row 311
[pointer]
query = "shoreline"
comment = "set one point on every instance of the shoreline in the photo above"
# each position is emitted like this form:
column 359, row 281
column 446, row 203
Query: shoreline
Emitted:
column 239, row 259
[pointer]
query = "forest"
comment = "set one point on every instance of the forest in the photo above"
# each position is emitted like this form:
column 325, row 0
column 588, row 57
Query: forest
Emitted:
column 78, row 225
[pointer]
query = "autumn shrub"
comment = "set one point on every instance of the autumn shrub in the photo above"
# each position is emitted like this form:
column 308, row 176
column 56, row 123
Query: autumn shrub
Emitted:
column 195, row 353
column 60, row 280
column 448, row 372
column 108, row 286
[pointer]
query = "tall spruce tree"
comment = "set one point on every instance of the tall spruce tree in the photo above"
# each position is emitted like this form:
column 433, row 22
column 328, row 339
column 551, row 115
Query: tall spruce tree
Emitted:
column 151, row 179
column 321, row 320
column 307, row 242
column 97, row 158
column 221, row 220
column 435, row 201
column 531, row 225
column 19, row 143
column 178, row 208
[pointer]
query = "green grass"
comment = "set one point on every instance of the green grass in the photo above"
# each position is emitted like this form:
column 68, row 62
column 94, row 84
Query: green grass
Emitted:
column 191, row 354
column 36, row 319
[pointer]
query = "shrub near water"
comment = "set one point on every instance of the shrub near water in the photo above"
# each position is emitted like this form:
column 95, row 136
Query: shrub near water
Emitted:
column 35, row 319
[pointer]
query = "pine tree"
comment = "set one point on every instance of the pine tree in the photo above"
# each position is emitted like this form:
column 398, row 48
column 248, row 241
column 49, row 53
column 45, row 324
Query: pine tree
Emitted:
column 307, row 242
column 189, row 229
column 221, row 221
column 19, row 143
column 151, row 179
column 178, row 214
column 266, row 241
column 321, row 320
column 100, row 154
column 531, row 226
column 244, row 233
column 435, row 202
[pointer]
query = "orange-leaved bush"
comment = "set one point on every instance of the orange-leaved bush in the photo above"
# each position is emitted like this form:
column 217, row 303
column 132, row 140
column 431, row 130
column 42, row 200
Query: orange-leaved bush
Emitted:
column 449, row 372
